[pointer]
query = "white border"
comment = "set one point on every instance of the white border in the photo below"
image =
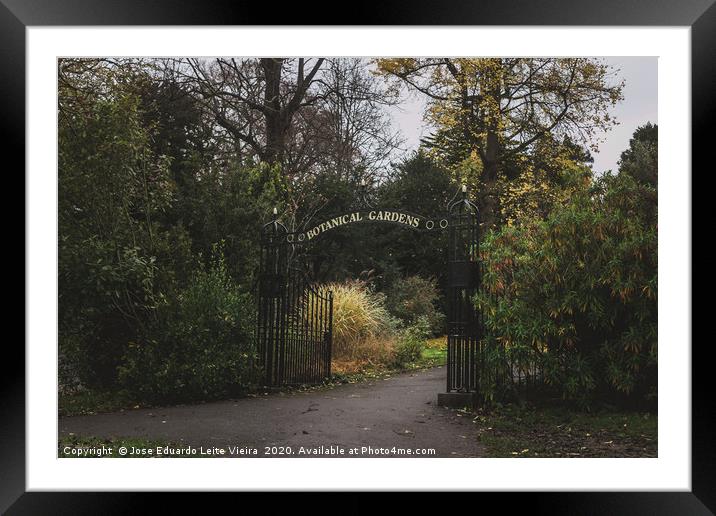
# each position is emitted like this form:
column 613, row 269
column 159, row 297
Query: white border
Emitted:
column 670, row 471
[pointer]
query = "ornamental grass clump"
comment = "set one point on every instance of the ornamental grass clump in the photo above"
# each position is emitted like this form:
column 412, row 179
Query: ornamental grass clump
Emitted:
column 362, row 326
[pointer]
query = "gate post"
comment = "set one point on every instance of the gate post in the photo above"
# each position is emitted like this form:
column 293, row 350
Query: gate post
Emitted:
column 464, row 327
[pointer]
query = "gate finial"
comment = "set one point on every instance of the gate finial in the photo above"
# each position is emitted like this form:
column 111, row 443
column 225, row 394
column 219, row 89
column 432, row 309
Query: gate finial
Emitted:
column 275, row 226
column 362, row 201
column 460, row 201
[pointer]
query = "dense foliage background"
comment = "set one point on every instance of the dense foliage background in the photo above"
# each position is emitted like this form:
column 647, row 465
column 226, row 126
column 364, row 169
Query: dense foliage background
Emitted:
column 168, row 168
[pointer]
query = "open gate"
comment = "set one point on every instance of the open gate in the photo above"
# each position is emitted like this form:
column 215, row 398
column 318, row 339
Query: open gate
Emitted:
column 295, row 318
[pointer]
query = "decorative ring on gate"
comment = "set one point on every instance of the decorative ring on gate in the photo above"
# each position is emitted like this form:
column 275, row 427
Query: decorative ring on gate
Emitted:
column 289, row 238
column 443, row 223
column 430, row 224
column 301, row 237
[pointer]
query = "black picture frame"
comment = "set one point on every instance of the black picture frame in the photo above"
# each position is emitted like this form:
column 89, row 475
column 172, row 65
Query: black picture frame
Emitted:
column 17, row 15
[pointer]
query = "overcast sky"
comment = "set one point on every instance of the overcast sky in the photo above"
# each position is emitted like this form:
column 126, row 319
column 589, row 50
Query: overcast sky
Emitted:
column 638, row 107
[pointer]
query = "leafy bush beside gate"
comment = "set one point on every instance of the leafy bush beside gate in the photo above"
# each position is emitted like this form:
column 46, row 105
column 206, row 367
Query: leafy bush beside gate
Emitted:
column 203, row 346
column 576, row 294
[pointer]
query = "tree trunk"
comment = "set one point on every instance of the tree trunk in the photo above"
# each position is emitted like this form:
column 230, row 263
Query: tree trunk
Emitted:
column 273, row 115
column 489, row 212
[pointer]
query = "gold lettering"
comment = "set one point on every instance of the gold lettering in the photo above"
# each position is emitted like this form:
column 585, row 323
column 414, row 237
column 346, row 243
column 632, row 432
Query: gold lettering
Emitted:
column 357, row 216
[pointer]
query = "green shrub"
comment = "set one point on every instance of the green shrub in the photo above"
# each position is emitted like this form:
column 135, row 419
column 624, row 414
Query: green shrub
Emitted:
column 414, row 297
column 411, row 342
column 203, row 346
column 576, row 294
column 108, row 298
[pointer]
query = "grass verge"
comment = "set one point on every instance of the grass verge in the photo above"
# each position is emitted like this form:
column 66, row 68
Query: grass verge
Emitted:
column 531, row 431
column 89, row 402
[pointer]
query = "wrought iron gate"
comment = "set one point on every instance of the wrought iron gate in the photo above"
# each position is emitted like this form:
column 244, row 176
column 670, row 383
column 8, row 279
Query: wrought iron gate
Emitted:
column 464, row 356
column 295, row 318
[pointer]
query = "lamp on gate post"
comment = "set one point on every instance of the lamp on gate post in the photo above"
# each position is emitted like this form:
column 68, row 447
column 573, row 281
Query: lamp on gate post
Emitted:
column 363, row 194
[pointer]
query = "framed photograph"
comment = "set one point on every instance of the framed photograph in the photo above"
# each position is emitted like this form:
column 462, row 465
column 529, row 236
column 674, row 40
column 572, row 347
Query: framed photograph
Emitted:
column 426, row 251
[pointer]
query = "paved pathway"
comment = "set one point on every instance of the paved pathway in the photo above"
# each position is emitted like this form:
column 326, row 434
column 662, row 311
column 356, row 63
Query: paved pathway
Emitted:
column 398, row 412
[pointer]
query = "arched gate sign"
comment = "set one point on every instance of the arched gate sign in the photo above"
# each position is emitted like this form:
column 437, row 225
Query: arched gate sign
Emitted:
column 295, row 317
